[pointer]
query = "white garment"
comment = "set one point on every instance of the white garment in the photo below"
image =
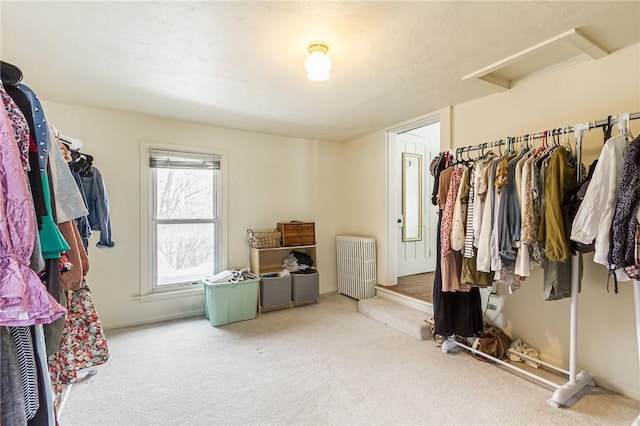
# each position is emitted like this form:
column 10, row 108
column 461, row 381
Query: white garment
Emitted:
column 595, row 214
column 41, row 358
column 519, row 171
column 479, row 198
column 494, row 245
column 483, row 257
column 69, row 202
column 523, row 266
column 459, row 217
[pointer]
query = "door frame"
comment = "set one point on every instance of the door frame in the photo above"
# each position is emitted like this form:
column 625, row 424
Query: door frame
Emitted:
column 393, row 165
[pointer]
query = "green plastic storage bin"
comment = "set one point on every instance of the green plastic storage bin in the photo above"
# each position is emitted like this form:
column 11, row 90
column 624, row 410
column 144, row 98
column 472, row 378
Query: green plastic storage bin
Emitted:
column 225, row 303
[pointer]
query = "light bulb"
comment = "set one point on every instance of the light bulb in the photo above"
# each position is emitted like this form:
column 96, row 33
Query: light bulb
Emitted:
column 318, row 64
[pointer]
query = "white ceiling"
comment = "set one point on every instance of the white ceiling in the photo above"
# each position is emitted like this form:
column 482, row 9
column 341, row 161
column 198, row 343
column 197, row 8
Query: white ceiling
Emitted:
column 240, row 64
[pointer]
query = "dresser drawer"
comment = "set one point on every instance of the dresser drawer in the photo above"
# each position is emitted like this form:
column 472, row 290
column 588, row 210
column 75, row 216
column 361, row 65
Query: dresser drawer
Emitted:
column 297, row 233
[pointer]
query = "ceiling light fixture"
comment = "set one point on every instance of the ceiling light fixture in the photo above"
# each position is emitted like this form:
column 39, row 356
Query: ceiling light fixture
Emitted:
column 318, row 63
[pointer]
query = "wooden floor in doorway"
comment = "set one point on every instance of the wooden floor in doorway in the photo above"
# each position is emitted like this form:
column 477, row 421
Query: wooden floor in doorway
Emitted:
column 419, row 286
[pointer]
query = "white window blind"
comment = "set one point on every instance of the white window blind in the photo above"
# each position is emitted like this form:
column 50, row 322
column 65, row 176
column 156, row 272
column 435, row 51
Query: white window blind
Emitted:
column 182, row 160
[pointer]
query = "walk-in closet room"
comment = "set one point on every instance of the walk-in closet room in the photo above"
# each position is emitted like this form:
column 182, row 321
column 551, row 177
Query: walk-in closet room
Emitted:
column 319, row 213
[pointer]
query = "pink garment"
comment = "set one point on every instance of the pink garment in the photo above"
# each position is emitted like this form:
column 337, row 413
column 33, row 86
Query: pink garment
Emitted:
column 451, row 261
column 20, row 127
column 447, row 212
column 24, row 300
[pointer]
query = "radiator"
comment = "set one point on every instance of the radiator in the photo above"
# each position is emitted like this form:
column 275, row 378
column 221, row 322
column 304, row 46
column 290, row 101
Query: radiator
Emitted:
column 356, row 267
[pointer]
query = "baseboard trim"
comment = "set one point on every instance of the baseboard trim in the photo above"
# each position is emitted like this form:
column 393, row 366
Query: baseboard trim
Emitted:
column 181, row 315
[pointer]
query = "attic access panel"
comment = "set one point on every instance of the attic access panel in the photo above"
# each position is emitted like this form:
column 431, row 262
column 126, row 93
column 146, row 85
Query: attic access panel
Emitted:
column 568, row 48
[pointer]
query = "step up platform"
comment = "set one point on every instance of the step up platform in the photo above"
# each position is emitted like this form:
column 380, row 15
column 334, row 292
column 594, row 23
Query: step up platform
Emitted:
column 402, row 318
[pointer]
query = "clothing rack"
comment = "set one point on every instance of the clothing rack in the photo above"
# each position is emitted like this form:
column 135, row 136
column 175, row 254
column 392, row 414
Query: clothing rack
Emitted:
column 576, row 380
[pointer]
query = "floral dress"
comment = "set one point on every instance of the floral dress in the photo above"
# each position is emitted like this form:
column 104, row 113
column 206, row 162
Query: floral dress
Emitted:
column 83, row 342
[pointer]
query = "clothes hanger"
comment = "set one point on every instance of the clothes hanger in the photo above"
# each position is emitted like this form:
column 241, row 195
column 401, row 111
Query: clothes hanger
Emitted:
column 543, row 145
column 566, row 142
column 73, row 143
column 459, row 156
column 10, row 74
column 606, row 130
column 510, row 144
column 551, row 143
column 81, row 163
column 529, row 143
column 523, row 146
column 622, row 121
column 466, row 161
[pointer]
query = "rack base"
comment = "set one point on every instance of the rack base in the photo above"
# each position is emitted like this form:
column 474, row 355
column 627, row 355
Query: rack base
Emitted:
column 561, row 395
column 570, row 389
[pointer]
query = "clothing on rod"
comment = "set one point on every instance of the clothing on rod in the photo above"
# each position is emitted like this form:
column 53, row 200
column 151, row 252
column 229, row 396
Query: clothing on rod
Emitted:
column 43, row 263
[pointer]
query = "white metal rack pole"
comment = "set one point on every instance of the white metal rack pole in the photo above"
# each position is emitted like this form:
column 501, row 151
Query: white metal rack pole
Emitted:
column 577, row 381
column 636, row 297
column 81, row 376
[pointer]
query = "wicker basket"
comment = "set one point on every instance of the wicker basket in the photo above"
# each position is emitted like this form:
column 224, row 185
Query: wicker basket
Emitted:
column 264, row 239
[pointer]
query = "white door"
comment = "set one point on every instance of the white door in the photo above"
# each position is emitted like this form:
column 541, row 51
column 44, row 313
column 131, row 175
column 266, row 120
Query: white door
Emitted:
column 415, row 257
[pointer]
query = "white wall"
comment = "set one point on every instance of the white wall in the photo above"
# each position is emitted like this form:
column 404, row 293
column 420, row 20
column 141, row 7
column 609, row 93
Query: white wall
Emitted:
column 364, row 193
column 585, row 92
column 270, row 179
column 366, row 197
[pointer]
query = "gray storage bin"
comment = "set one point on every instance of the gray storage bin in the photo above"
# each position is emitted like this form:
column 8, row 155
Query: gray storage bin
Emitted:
column 305, row 287
column 275, row 291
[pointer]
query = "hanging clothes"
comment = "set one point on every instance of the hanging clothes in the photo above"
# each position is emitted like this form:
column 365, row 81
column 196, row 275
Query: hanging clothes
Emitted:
column 72, row 279
column 20, row 127
column 38, row 192
column 459, row 218
column 69, row 202
column 560, row 179
column 35, row 178
column 23, row 298
column 624, row 226
column 23, row 343
column 592, row 223
column 98, row 204
column 455, row 313
column 83, row 343
column 12, row 406
column 51, row 239
column 40, row 131
column 451, row 261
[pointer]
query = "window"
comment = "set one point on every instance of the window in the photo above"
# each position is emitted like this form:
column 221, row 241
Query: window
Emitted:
column 185, row 228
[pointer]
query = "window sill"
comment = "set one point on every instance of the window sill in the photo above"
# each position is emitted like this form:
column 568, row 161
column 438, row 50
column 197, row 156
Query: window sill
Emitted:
column 166, row 295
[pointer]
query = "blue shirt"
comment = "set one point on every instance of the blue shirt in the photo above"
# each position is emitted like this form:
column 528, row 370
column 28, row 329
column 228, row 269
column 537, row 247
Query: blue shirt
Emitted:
column 98, row 205
column 41, row 130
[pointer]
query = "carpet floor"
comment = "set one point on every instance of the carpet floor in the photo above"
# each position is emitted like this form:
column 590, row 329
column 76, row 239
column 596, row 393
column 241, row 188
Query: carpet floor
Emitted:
column 321, row 364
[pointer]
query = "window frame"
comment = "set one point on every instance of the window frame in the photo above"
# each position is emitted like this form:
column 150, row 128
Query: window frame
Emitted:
column 149, row 290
